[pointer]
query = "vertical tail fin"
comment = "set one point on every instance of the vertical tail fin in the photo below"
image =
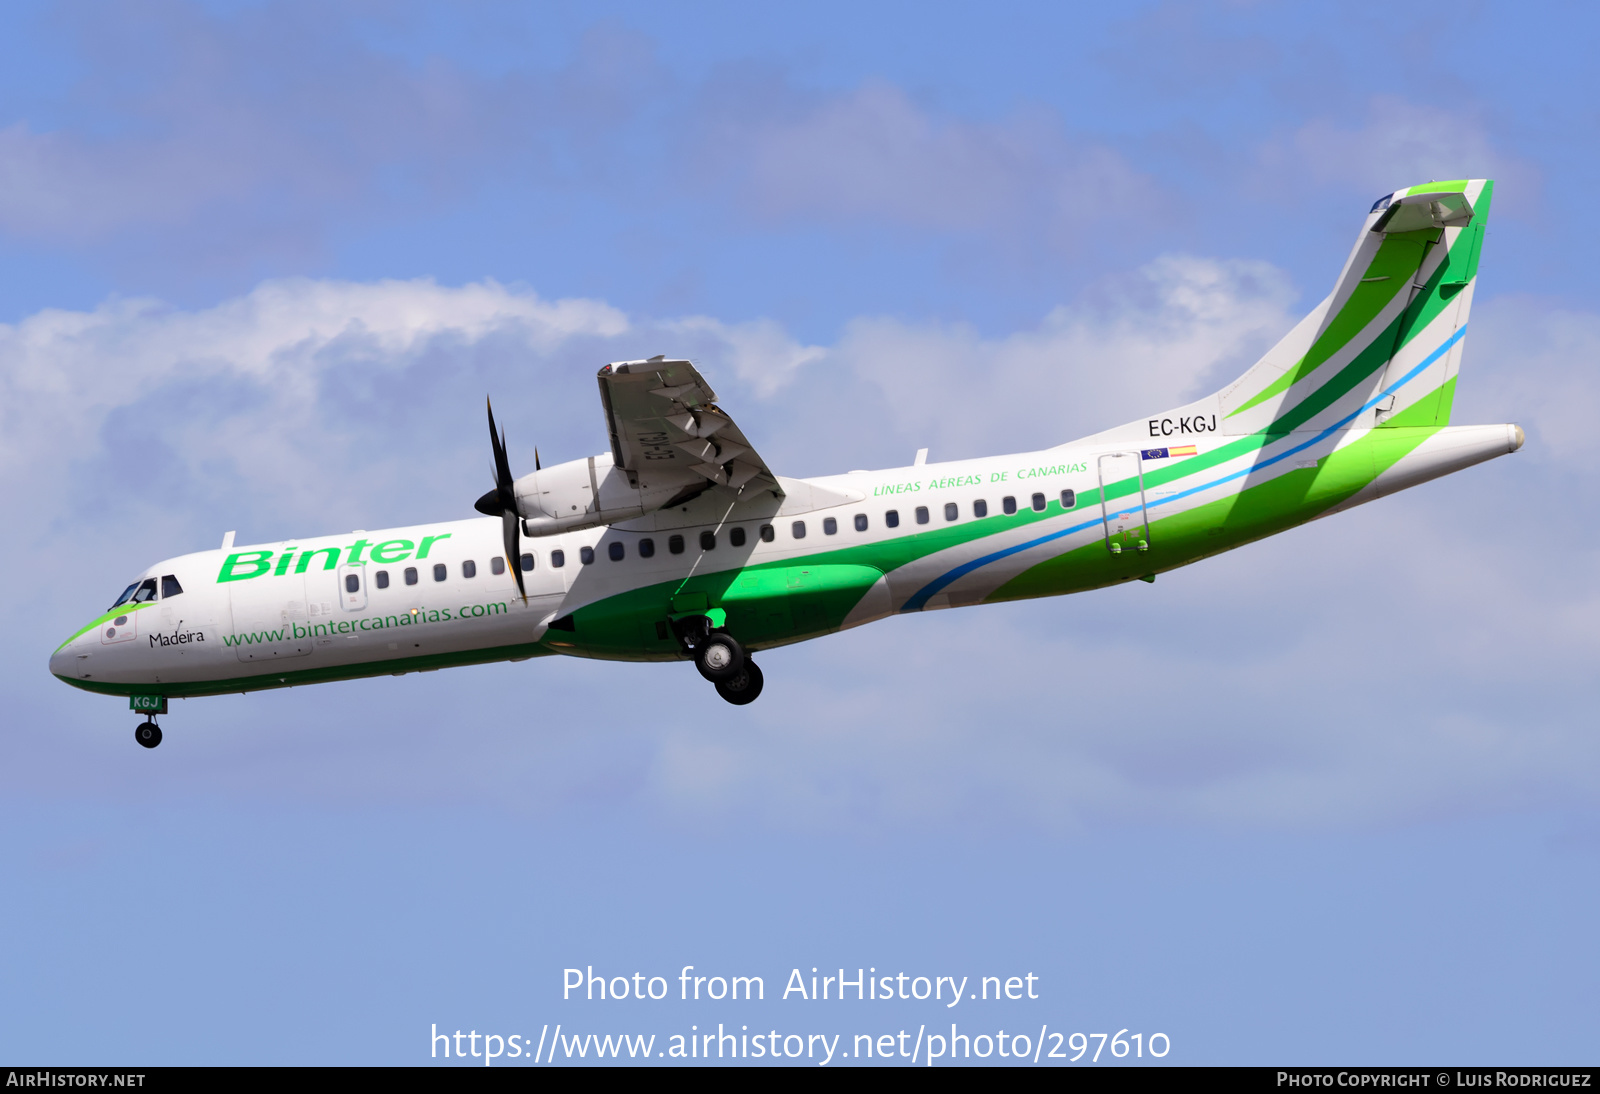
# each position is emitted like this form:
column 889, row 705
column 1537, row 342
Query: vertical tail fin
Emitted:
column 1385, row 346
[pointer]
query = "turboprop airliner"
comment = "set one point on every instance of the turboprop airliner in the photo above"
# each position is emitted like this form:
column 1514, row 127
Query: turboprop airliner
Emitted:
column 680, row 543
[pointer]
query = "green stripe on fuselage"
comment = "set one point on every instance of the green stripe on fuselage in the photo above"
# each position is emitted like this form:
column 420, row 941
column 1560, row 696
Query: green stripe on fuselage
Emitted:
column 110, row 614
column 1283, row 499
column 783, row 602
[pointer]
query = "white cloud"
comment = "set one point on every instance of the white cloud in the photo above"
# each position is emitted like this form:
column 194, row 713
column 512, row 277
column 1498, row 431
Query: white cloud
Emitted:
column 53, row 185
column 1172, row 330
column 760, row 351
column 64, row 376
column 1537, row 357
column 1401, row 144
column 251, row 131
column 875, row 155
column 262, row 393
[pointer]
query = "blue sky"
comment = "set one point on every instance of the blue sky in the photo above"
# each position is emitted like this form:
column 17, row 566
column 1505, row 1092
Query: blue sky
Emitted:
column 1330, row 798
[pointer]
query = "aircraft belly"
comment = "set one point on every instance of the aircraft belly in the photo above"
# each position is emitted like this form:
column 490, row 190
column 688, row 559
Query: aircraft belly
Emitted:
column 763, row 606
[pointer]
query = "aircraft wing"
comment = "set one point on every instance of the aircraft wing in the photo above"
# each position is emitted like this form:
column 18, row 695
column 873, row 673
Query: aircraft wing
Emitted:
column 663, row 417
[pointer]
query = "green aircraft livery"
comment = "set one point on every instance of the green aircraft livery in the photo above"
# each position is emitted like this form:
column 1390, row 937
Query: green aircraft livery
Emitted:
column 680, row 543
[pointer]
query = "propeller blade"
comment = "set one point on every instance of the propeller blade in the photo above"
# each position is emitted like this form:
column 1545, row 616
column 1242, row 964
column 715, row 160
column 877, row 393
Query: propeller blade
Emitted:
column 502, row 465
column 510, row 527
column 503, row 500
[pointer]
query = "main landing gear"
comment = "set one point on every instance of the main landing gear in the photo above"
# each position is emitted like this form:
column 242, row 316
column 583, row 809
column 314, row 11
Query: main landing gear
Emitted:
column 148, row 733
column 743, row 686
column 721, row 660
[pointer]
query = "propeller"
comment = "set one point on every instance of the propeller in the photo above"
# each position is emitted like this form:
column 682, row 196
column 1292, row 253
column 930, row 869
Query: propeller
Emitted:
column 502, row 502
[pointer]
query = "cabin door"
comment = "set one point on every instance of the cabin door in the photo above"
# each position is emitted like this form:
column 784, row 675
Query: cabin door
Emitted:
column 270, row 618
column 1122, row 502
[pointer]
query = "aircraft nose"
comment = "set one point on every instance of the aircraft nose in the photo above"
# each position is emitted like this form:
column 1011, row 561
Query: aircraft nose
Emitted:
column 61, row 660
column 64, row 661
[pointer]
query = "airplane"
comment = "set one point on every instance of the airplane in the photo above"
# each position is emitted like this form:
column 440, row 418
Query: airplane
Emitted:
column 680, row 543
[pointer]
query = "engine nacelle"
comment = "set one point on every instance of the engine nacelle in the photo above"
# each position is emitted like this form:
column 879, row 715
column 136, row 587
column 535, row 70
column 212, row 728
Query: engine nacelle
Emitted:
column 591, row 492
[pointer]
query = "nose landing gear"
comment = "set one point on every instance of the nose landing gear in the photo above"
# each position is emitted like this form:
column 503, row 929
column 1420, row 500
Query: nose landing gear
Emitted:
column 148, row 733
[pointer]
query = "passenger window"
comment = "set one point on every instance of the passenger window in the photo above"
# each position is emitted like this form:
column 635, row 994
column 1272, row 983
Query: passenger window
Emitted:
column 586, row 555
column 1038, row 503
column 147, row 591
column 767, row 534
column 951, row 510
column 799, row 529
column 980, row 508
column 829, row 526
column 411, row 575
column 352, row 583
column 647, row 548
column 170, row 587
column 469, row 568
column 383, row 579
column 440, row 571
column 497, row 565
column 708, row 541
column 675, row 544
column 861, row 522
column 558, row 558
column 123, row 599
column 922, row 514
column 1009, row 504
column 616, row 550
column 892, row 518
column 737, row 537
column 1069, row 499
column 526, row 562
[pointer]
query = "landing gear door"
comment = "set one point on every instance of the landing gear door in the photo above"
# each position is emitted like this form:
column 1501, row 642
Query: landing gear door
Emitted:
column 1122, row 502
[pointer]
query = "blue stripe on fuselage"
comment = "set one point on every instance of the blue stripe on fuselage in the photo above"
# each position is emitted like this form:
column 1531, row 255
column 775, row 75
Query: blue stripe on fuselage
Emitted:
column 920, row 598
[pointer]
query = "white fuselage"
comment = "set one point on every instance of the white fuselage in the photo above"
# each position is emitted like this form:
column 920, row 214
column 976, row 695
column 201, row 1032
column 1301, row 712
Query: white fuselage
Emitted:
column 365, row 599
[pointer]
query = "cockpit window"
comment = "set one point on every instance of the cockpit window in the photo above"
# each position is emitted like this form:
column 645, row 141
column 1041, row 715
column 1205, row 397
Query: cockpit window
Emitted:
column 123, row 599
column 170, row 586
column 147, row 591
